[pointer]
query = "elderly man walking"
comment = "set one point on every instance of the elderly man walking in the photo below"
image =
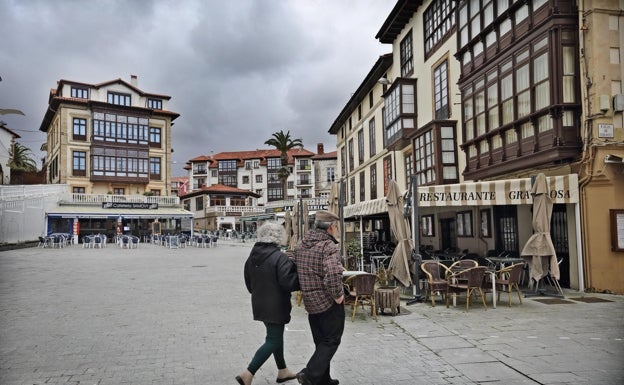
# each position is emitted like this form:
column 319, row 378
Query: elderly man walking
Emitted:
column 320, row 276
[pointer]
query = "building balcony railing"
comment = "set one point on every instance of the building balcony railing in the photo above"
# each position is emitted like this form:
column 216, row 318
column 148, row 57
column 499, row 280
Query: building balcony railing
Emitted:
column 98, row 199
column 239, row 210
column 305, row 167
column 312, row 202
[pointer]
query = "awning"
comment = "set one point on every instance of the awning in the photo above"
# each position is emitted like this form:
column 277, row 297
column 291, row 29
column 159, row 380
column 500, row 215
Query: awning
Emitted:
column 258, row 217
column 362, row 209
column 563, row 189
column 102, row 213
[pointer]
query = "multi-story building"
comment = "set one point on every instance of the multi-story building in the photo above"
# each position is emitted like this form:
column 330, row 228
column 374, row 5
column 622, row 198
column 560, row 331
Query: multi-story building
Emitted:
column 601, row 167
column 325, row 171
column 179, row 185
column 109, row 137
column 481, row 96
column 111, row 144
column 229, row 188
column 7, row 139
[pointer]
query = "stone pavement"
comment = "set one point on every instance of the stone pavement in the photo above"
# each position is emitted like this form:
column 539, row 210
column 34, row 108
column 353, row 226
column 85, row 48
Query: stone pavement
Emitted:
column 159, row 316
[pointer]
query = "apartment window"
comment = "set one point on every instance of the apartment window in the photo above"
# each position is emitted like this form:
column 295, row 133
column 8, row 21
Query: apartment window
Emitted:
column 447, row 150
column 156, row 193
column 542, row 82
column 464, row 224
column 199, row 183
column 199, row 203
column 440, row 91
column 492, row 101
column 387, row 170
column 78, row 190
column 408, row 166
column 154, row 137
column 479, row 106
column 351, row 155
column 361, row 146
column 272, row 163
column 119, row 191
column 352, row 190
column 359, row 112
column 155, row 104
column 569, row 75
column 373, row 181
column 258, row 178
column 154, row 168
column 425, row 159
column 371, row 137
column 370, row 100
column 80, row 93
column 331, row 174
column 407, row 56
column 427, row 229
column 343, row 160
column 119, row 99
column 80, row 129
column 362, row 184
column 399, row 110
column 120, row 128
column 214, row 173
column 438, row 20
column 256, row 164
column 79, row 163
column 245, row 179
column 247, row 165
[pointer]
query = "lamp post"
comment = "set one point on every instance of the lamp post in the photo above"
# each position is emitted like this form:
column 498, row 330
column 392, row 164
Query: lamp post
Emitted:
column 412, row 203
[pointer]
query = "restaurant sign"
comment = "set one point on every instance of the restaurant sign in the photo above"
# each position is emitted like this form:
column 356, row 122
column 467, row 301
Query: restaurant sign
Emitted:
column 129, row 205
column 563, row 189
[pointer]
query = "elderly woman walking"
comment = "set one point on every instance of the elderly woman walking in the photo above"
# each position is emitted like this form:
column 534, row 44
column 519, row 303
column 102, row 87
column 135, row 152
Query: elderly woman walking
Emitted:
column 270, row 277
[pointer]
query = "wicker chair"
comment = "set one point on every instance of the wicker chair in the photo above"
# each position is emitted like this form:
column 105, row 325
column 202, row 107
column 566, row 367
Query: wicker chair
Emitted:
column 507, row 280
column 364, row 293
column 467, row 282
column 436, row 278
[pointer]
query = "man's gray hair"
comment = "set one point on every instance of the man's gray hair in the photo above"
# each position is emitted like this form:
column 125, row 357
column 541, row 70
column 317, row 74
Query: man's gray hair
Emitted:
column 322, row 225
column 271, row 232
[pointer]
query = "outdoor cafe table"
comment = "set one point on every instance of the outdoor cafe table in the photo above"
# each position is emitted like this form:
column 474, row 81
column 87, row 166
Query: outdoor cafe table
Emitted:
column 506, row 261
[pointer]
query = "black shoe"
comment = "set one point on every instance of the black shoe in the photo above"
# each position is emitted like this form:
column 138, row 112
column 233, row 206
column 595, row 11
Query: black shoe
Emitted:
column 303, row 379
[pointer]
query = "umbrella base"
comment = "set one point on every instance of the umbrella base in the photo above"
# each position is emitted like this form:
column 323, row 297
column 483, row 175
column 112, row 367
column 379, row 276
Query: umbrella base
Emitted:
column 540, row 289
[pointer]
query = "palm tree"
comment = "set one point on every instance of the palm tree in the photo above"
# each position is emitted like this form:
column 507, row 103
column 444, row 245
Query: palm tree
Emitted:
column 283, row 143
column 21, row 158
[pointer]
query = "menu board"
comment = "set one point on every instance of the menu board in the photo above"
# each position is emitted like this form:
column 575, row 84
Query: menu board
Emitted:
column 617, row 230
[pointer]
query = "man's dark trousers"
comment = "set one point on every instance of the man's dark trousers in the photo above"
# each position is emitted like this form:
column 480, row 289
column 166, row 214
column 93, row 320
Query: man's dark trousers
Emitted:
column 327, row 328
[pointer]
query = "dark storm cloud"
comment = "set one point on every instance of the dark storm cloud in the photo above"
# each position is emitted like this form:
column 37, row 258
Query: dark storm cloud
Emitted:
column 237, row 71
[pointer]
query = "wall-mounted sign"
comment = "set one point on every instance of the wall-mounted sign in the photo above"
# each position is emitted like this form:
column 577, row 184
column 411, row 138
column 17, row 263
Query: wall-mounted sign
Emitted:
column 605, row 130
column 129, row 205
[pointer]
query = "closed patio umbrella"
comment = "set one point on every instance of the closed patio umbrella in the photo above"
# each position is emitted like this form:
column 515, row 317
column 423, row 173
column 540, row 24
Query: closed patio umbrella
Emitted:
column 539, row 250
column 334, row 207
column 288, row 227
column 295, row 228
column 305, row 217
column 399, row 263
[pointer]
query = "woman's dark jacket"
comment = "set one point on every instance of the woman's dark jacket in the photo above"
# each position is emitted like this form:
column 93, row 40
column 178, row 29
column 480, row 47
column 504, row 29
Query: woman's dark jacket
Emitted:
column 270, row 276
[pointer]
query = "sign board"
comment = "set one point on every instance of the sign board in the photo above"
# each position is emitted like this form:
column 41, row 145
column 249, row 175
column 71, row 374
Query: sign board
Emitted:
column 605, row 130
column 129, row 205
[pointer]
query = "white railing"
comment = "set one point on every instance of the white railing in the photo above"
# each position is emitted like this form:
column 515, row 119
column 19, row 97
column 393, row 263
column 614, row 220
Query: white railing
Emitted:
column 235, row 209
column 318, row 201
column 11, row 192
column 93, row 199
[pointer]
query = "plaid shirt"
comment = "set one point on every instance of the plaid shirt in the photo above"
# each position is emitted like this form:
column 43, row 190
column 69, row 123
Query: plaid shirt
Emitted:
column 320, row 272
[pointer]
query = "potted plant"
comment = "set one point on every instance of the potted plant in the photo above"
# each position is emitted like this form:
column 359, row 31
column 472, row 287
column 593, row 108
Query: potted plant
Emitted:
column 354, row 253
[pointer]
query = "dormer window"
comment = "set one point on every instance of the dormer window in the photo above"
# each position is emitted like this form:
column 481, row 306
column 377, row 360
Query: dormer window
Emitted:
column 119, row 99
column 155, row 104
column 80, row 93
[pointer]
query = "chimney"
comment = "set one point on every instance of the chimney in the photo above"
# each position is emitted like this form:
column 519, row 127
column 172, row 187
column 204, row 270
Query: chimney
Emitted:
column 320, row 149
column 134, row 80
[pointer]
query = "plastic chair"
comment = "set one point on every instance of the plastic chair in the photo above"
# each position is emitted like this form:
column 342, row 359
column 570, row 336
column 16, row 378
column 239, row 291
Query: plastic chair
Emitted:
column 507, row 280
column 467, row 282
column 436, row 278
column 364, row 292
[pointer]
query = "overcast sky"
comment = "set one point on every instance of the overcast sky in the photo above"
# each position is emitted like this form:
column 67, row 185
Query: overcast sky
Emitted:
column 236, row 70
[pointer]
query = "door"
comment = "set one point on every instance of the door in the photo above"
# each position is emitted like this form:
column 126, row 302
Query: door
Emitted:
column 447, row 233
column 559, row 235
column 506, row 229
